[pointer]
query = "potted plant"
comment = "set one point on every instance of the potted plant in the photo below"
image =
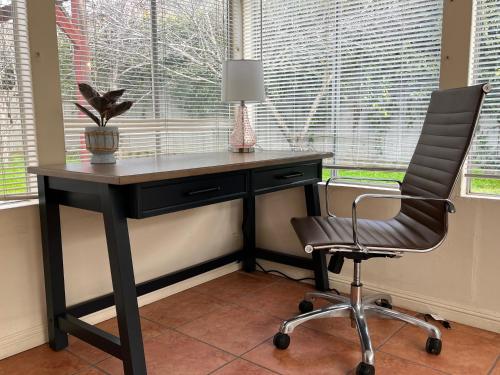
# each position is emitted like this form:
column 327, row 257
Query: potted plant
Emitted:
column 102, row 141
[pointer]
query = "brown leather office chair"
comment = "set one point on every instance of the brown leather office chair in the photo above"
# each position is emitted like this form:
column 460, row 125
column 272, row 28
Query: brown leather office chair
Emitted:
column 419, row 227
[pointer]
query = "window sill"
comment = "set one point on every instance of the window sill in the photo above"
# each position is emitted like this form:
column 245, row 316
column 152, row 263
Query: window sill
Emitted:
column 480, row 196
column 362, row 187
column 7, row 205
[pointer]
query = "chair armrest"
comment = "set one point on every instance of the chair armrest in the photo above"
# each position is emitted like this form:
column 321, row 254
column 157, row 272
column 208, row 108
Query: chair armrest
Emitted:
column 334, row 178
column 450, row 208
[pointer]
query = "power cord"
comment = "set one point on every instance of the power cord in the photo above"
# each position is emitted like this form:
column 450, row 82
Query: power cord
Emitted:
column 293, row 279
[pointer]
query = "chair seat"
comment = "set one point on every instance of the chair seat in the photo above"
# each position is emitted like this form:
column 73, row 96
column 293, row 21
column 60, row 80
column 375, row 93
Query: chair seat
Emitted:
column 400, row 232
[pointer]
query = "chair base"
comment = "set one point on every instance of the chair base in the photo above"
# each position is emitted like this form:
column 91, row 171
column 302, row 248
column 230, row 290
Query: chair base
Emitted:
column 357, row 309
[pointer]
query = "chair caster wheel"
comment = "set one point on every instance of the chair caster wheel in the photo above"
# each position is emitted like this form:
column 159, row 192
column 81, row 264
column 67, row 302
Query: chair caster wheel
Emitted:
column 384, row 303
column 281, row 340
column 433, row 346
column 365, row 369
column 305, row 306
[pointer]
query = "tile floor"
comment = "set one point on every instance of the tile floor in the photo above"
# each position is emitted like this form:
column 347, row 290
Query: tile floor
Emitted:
column 226, row 326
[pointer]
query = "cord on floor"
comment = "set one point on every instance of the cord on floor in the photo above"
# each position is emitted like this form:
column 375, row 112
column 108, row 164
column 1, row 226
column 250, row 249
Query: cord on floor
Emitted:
column 293, row 279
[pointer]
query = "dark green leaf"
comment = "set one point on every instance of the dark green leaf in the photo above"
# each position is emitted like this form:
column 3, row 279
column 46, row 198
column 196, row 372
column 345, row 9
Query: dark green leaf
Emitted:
column 117, row 109
column 100, row 104
column 87, row 91
column 113, row 96
column 89, row 114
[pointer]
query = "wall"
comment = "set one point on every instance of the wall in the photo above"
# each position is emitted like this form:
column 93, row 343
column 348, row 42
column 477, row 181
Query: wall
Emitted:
column 459, row 280
column 159, row 245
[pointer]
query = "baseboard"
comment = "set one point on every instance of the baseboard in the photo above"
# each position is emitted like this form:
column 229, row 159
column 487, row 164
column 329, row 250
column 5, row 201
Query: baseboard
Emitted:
column 464, row 314
column 29, row 338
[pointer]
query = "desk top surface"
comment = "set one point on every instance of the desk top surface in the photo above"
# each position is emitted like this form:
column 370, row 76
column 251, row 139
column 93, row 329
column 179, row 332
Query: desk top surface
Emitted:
column 137, row 170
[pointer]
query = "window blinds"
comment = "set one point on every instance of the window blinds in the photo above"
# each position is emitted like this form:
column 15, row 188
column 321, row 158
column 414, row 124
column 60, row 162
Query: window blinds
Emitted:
column 17, row 138
column 167, row 54
column 349, row 76
column 484, row 159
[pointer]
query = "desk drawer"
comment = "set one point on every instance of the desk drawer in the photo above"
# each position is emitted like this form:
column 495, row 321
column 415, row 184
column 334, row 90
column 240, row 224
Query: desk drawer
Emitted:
column 277, row 178
column 162, row 197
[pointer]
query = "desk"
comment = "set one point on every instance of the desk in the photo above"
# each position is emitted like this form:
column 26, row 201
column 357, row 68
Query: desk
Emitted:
column 145, row 187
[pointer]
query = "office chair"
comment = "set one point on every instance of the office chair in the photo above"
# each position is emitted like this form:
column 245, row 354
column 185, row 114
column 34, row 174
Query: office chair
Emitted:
column 420, row 226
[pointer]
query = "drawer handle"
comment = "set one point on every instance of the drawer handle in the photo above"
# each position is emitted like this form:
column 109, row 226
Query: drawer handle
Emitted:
column 290, row 175
column 203, row 191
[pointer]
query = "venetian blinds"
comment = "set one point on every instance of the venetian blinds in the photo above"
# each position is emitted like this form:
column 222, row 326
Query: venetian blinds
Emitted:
column 484, row 159
column 17, row 138
column 349, row 76
column 168, row 56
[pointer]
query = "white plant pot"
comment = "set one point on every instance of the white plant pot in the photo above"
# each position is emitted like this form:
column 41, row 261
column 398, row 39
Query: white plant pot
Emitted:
column 102, row 142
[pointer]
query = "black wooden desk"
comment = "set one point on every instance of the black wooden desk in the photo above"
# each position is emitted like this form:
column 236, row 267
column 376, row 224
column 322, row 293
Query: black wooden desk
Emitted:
column 139, row 188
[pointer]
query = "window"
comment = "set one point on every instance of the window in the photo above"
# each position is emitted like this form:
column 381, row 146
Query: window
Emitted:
column 349, row 76
column 167, row 54
column 484, row 160
column 17, row 138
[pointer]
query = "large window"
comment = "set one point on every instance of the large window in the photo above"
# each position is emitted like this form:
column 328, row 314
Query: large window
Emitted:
column 17, row 138
column 484, row 161
column 349, row 76
column 167, row 54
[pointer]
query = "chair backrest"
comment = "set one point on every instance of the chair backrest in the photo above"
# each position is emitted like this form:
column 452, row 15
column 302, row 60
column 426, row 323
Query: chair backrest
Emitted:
column 440, row 152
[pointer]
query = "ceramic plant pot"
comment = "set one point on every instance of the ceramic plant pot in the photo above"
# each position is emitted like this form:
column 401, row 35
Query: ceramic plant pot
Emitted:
column 102, row 142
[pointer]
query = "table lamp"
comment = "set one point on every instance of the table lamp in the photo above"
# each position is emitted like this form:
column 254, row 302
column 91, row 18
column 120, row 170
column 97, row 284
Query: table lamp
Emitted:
column 242, row 81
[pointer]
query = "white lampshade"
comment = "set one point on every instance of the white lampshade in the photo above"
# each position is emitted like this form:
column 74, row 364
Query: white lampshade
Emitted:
column 242, row 80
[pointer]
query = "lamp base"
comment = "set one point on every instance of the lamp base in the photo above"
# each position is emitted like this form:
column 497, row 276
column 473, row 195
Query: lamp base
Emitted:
column 242, row 150
column 242, row 138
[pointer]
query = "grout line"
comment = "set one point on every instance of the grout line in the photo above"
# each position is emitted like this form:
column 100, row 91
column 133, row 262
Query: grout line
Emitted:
column 89, row 364
column 224, row 365
column 497, row 361
column 174, row 329
column 100, row 369
column 391, row 336
column 85, row 360
column 414, row 362
column 261, row 366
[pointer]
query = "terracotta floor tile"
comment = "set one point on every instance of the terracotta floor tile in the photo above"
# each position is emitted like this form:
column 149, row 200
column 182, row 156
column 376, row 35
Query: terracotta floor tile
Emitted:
column 93, row 355
column 233, row 328
column 496, row 369
column 42, row 361
column 235, row 284
column 386, row 364
column 310, row 353
column 273, row 300
column 180, row 308
column 465, row 350
column 242, row 367
column 380, row 329
column 174, row 353
column 280, row 299
column 91, row 371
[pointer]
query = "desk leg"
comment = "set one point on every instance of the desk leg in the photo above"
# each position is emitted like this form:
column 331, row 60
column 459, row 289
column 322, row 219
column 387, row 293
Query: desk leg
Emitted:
column 122, row 275
column 53, row 267
column 319, row 257
column 249, row 233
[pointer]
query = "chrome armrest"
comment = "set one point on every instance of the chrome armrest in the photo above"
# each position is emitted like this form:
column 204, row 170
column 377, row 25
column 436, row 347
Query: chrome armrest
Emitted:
column 450, row 208
column 331, row 214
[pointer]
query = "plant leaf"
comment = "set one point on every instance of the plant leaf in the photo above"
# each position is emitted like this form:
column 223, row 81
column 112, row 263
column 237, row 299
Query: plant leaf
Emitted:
column 113, row 96
column 89, row 114
column 100, row 104
column 87, row 91
column 117, row 109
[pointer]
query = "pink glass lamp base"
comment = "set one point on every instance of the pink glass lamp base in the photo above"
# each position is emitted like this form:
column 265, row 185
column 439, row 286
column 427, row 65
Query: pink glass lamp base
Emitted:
column 242, row 139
